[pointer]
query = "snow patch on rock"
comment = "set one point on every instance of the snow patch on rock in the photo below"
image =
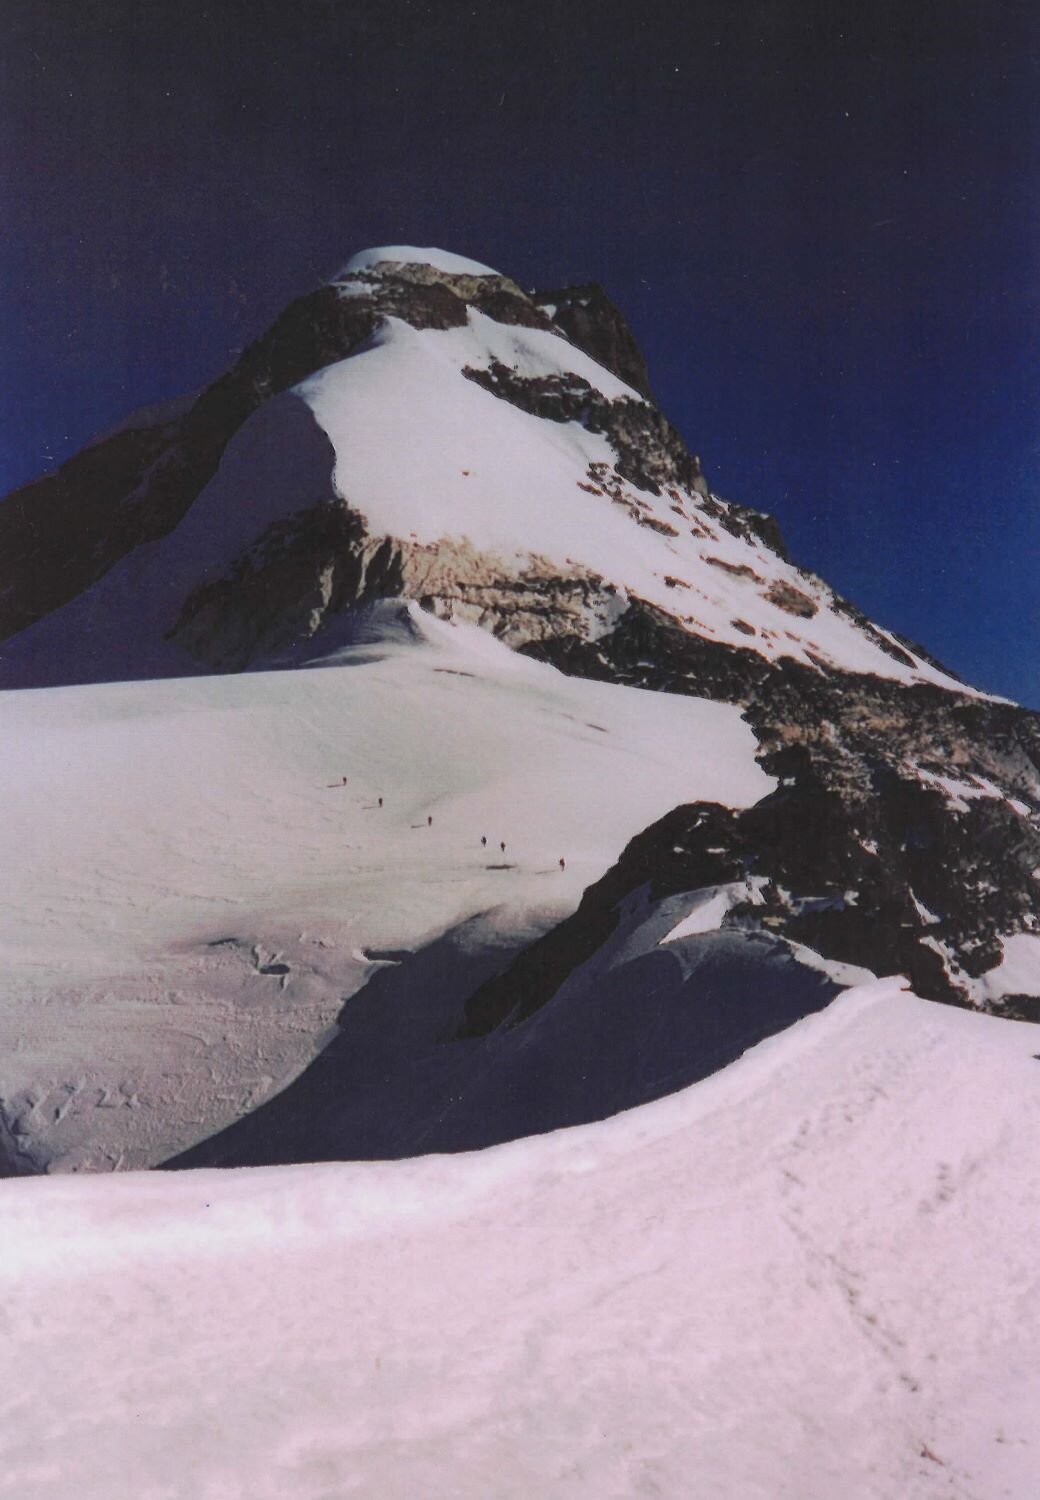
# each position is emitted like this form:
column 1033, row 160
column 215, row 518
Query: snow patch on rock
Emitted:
column 1018, row 972
column 710, row 906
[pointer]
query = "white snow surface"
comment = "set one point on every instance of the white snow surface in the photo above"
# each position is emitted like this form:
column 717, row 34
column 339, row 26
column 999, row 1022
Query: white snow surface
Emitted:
column 812, row 1275
column 422, row 451
column 190, row 892
column 959, row 792
column 410, row 255
column 707, row 908
column 1018, row 972
column 706, row 911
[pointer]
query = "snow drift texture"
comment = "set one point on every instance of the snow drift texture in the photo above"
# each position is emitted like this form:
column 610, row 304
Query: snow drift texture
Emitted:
column 812, row 1275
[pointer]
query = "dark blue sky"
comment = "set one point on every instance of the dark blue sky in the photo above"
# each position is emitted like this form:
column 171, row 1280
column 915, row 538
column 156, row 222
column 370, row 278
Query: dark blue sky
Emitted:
column 823, row 221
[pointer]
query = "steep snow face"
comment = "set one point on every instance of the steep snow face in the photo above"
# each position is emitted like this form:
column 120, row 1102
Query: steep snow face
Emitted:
column 812, row 1275
column 190, row 890
column 410, row 255
column 425, row 454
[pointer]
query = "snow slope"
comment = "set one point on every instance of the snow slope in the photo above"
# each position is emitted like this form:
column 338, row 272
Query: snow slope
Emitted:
column 190, row 893
column 634, row 1022
column 813, row 1275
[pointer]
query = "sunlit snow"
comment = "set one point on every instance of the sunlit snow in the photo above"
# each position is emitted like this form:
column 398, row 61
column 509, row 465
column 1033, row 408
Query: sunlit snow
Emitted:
column 811, row 1276
column 410, row 255
column 1018, row 972
column 189, row 883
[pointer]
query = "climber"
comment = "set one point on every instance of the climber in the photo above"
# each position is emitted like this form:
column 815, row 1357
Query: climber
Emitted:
column 483, row 840
column 429, row 820
column 563, row 864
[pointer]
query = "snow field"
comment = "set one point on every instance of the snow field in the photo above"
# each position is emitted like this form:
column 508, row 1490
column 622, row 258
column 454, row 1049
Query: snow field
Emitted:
column 1018, row 971
column 811, row 1275
column 191, row 892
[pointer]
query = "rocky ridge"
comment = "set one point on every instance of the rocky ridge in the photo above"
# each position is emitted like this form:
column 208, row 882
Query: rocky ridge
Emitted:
column 904, row 836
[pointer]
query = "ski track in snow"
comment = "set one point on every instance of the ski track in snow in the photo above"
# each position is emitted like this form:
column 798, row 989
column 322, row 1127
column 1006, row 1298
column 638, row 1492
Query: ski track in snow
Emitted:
column 191, row 892
column 812, row 1275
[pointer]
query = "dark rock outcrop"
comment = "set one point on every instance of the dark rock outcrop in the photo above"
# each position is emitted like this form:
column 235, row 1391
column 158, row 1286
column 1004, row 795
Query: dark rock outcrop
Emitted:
column 61, row 535
column 319, row 561
column 904, row 837
column 650, row 452
column 894, row 882
column 591, row 321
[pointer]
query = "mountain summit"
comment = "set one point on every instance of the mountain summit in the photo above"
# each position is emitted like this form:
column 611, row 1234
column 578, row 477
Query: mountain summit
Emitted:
column 419, row 428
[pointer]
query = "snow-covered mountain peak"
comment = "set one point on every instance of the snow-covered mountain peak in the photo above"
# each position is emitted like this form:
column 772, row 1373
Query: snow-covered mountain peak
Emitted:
column 391, row 256
column 433, row 433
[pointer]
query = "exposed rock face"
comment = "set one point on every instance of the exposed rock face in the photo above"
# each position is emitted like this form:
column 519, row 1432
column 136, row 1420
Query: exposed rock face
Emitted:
column 650, row 452
column 295, row 574
column 590, row 319
column 742, row 520
column 323, row 557
column 61, row 533
column 905, row 836
column 792, row 599
column 302, row 573
column 892, row 880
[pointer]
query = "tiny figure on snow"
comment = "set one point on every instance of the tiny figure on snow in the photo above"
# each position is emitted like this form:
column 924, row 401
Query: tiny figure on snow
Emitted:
column 502, row 846
column 563, row 864
column 429, row 820
column 483, row 840
column 344, row 781
column 380, row 801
